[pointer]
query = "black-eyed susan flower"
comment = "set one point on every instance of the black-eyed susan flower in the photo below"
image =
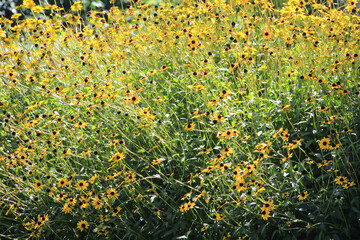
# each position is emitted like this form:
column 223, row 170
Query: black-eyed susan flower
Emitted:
column 92, row 179
column 341, row 180
column 227, row 151
column 71, row 201
column 244, row 138
column 80, row 124
column 204, row 228
column 205, row 151
column 277, row 133
column 82, row 185
column 82, row 225
column 345, row 92
column 348, row 185
column 285, row 195
column 334, row 146
column 131, row 176
column 285, row 135
column 183, row 208
column 117, row 157
column 346, row 130
column 97, row 202
column 66, row 208
column 58, row 90
column 265, row 214
column 228, row 134
column 320, row 81
column 189, row 127
column 112, row 193
column 303, row 195
column 62, row 182
column 132, row 99
column 116, row 211
column 224, row 93
column 240, row 184
column 284, row 107
column 60, row 197
column 158, row 99
column 157, row 161
column 218, row 117
column 266, row 34
column 38, row 185
column 219, row 217
column 324, row 143
column 268, row 205
column 193, row 42
column 323, row 108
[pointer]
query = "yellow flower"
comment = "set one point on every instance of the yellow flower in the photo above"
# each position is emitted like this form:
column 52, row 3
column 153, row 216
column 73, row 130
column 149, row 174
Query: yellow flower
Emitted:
column 187, row 206
column 277, row 132
column 245, row 138
column 190, row 126
column 77, row 6
column 266, row 35
column 205, row 151
column 111, row 193
column 341, row 180
column 268, row 205
column 16, row 16
column 218, row 117
column 322, row 109
column 219, row 217
column 66, row 208
column 132, row 99
column 82, row 185
column 2, row 33
column 227, row 151
column 71, row 201
column 115, row 211
column 80, row 124
column 28, row 4
column 284, row 107
column 228, row 134
column 157, row 161
column 117, row 157
column 303, row 195
column 82, row 225
column 38, row 185
column 97, row 203
column 348, row 184
column 324, row 143
column 92, row 179
column 62, row 182
column 265, row 214
column 204, row 228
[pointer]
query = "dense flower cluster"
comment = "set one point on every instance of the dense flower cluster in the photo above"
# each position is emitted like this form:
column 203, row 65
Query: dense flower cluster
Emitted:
column 207, row 119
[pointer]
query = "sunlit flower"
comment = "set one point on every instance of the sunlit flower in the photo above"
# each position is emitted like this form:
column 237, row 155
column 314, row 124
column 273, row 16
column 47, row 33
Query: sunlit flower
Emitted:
column 324, row 143
column 266, row 34
column 77, row 6
column 38, row 185
column 190, row 126
column 82, row 225
column 62, row 182
column 97, row 202
column 80, row 124
column 82, row 184
column 111, row 193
